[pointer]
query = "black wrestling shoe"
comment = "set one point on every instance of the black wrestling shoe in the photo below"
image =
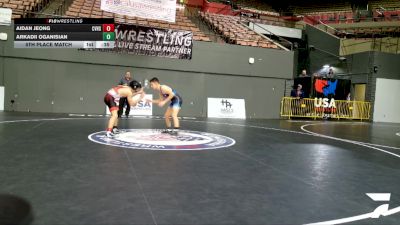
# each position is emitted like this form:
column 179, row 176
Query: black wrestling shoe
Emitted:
column 165, row 131
column 174, row 133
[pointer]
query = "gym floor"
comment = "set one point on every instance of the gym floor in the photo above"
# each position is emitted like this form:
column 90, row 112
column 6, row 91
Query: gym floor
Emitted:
column 277, row 172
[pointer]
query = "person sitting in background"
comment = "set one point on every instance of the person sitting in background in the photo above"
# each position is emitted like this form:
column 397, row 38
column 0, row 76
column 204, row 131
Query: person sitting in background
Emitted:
column 297, row 93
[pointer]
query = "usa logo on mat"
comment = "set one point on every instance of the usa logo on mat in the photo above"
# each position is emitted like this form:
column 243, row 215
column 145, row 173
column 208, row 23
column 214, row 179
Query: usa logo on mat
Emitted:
column 152, row 139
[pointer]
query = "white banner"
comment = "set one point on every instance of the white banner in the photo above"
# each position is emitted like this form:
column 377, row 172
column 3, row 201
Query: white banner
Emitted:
column 5, row 16
column 151, row 9
column 142, row 108
column 1, row 98
column 226, row 108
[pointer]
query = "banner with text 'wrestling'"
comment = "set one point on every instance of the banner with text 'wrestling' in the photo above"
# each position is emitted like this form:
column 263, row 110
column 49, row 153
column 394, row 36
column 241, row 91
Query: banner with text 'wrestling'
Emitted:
column 153, row 41
column 151, row 9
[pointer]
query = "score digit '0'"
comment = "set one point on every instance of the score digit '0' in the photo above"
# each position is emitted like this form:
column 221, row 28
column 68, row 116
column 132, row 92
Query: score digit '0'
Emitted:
column 108, row 27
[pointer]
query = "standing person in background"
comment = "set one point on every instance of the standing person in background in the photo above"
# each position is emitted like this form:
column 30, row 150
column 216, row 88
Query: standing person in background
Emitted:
column 330, row 74
column 123, row 100
column 297, row 93
column 348, row 97
column 303, row 73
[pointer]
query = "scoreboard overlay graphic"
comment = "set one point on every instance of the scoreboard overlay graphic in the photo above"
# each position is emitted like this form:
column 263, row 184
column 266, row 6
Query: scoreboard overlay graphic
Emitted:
column 87, row 33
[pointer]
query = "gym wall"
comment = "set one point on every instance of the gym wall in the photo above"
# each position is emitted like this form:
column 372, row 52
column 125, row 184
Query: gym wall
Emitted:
column 75, row 81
